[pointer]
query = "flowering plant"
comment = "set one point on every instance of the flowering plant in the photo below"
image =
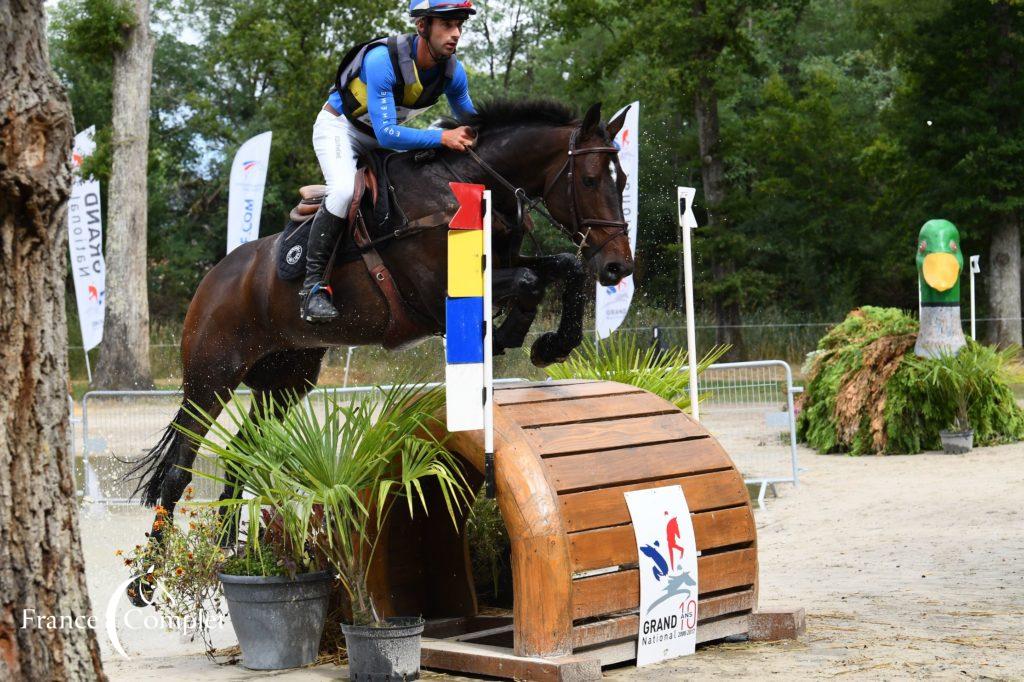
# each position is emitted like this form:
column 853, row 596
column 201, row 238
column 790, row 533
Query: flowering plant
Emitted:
column 178, row 572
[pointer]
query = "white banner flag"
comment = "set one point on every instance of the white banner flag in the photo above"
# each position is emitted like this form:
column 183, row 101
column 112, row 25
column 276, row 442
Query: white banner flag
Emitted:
column 668, row 573
column 245, row 195
column 85, row 242
column 613, row 302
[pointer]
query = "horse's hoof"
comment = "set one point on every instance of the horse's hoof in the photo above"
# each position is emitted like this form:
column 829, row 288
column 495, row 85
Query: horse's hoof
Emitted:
column 139, row 593
column 546, row 351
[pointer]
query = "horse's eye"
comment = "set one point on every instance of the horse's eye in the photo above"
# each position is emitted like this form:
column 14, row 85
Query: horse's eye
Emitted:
column 589, row 182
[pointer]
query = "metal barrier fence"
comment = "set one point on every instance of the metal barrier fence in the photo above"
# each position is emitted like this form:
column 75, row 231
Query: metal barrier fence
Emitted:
column 748, row 406
column 119, row 427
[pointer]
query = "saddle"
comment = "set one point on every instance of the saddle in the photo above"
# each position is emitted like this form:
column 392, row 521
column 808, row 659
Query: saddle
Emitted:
column 370, row 223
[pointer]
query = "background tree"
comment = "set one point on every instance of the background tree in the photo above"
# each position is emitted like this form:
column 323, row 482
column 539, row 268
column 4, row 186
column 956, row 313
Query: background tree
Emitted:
column 956, row 132
column 41, row 565
column 695, row 48
column 826, row 167
column 124, row 353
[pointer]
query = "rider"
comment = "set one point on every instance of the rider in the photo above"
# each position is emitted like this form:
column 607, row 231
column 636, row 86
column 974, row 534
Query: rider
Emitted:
column 380, row 85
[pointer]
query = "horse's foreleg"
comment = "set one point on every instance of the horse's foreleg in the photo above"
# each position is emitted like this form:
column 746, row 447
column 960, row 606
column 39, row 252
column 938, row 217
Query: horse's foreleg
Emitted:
column 555, row 346
column 521, row 290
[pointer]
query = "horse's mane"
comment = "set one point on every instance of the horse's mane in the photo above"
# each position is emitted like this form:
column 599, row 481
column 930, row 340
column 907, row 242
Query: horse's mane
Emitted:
column 504, row 112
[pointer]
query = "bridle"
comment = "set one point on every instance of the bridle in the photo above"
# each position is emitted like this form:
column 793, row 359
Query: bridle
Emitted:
column 581, row 227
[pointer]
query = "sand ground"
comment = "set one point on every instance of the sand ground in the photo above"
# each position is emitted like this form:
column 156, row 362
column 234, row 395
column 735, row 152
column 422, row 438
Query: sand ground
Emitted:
column 908, row 567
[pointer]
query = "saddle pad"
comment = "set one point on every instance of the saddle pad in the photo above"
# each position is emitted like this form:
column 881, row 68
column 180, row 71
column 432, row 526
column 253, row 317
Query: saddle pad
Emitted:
column 290, row 248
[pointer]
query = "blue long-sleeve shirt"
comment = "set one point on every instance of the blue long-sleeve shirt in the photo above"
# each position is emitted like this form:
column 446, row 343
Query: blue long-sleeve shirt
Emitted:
column 379, row 76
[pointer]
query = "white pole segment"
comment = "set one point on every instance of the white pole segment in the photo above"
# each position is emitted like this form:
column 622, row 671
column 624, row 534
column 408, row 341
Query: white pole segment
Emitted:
column 488, row 396
column 688, row 221
column 975, row 268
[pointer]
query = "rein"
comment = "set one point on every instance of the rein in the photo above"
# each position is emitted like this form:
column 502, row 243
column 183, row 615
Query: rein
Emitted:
column 524, row 200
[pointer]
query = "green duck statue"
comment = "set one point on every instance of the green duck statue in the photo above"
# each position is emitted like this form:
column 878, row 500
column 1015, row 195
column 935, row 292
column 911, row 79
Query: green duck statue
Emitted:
column 939, row 264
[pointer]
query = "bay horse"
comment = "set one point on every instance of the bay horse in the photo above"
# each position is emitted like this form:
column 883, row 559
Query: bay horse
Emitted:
column 243, row 325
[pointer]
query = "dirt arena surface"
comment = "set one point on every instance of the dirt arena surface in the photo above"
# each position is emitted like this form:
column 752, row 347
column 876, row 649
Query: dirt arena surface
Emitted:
column 908, row 567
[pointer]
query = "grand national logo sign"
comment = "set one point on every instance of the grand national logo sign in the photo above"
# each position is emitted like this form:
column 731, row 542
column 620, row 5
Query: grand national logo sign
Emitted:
column 668, row 573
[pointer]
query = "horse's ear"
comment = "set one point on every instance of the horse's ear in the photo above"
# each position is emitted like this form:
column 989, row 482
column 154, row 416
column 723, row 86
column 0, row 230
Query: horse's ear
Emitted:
column 615, row 125
column 592, row 119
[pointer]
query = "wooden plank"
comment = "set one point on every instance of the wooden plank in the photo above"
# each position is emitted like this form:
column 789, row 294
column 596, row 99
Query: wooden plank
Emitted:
column 611, row 629
column 620, row 591
column 724, row 604
column 506, row 385
column 613, row 433
column 480, row 634
column 514, row 394
column 610, row 653
column 493, row 661
column 780, row 623
column 727, row 570
column 529, row 415
column 448, row 628
column 720, row 629
column 608, row 630
column 635, row 464
column 607, row 506
column 616, row 546
column 625, row 649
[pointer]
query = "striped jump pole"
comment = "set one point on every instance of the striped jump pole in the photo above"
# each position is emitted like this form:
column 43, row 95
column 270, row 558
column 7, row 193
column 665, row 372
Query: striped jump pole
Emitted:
column 469, row 372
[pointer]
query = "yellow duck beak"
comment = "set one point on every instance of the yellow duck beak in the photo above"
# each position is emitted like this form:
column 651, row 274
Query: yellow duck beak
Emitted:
column 941, row 271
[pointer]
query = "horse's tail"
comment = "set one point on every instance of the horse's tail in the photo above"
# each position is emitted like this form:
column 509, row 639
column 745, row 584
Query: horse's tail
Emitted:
column 151, row 470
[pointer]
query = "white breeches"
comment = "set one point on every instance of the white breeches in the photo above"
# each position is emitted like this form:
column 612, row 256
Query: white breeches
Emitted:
column 338, row 145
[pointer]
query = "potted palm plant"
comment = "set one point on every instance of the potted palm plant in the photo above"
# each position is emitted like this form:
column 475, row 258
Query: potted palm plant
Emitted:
column 961, row 381
column 333, row 480
column 623, row 359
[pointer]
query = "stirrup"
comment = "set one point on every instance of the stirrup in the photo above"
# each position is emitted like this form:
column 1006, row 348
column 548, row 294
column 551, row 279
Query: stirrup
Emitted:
column 308, row 297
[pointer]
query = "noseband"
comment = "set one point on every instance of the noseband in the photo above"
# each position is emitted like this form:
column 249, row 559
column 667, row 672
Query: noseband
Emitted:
column 523, row 201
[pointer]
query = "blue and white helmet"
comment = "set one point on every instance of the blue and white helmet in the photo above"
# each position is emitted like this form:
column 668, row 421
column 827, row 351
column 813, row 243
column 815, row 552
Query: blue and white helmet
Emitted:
column 449, row 9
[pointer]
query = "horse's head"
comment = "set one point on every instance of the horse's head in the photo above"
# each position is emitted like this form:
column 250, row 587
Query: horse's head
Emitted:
column 584, row 193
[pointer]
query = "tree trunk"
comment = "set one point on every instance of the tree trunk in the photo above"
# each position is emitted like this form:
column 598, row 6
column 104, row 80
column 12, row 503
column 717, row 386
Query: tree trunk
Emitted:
column 124, row 356
column 1003, row 282
column 727, row 312
column 41, row 565
column 1003, row 279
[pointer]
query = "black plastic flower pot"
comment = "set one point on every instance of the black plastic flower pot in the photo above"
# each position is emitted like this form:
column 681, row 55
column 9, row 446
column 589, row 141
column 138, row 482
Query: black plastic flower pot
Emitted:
column 384, row 654
column 278, row 620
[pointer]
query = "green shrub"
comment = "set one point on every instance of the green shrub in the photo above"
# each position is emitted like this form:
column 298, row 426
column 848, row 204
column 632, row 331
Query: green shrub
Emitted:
column 867, row 393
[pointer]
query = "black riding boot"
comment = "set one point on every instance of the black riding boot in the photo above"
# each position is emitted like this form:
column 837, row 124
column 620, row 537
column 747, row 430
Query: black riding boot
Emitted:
column 315, row 297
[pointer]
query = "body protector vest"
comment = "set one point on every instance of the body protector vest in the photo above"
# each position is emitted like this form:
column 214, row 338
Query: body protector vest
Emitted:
column 411, row 96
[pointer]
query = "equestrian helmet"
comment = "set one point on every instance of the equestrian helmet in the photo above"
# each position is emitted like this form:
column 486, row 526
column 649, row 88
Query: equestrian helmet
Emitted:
column 448, row 9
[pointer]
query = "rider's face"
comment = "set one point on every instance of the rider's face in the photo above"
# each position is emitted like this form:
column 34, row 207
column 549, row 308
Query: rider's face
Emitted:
column 444, row 35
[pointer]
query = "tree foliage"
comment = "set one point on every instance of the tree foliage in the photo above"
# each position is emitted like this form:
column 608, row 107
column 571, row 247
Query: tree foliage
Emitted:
column 829, row 163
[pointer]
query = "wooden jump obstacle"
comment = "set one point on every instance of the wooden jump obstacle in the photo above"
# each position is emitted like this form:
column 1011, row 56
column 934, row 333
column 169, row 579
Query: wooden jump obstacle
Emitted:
column 566, row 452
